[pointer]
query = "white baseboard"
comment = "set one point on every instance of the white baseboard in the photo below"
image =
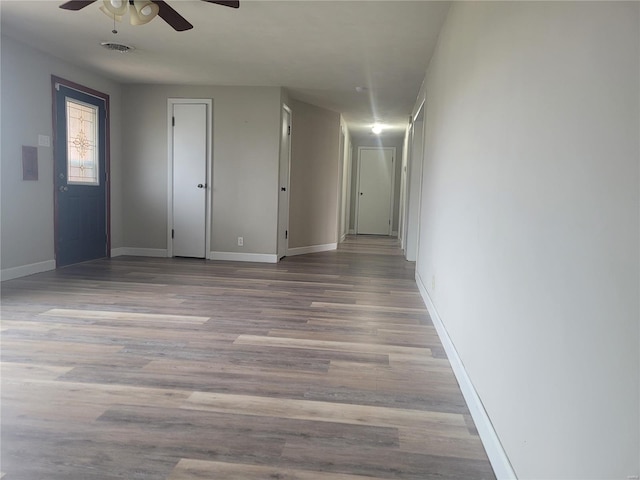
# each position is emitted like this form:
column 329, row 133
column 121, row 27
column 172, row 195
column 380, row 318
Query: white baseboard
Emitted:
column 352, row 232
column 244, row 257
column 497, row 456
column 343, row 238
column 139, row 252
column 24, row 270
column 311, row 249
column 394, row 234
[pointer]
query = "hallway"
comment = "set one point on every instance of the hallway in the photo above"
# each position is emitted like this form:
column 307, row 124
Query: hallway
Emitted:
column 324, row 366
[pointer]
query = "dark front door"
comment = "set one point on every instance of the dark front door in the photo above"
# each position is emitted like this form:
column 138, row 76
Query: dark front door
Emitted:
column 80, row 176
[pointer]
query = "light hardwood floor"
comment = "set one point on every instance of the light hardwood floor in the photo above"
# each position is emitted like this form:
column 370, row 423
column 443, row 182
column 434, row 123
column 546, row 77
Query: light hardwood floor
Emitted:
column 325, row 366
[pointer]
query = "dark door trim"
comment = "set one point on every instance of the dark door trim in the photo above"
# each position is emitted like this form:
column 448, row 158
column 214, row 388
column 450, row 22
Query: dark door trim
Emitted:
column 103, row 96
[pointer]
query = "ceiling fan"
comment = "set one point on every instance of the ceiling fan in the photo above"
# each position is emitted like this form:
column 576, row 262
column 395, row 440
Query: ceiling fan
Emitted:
column 143, row 11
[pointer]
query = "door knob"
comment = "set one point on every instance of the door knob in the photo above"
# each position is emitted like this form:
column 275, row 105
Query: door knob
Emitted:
column 360, row 193
column 283, row 189
column 63, row 188
column 200, row 185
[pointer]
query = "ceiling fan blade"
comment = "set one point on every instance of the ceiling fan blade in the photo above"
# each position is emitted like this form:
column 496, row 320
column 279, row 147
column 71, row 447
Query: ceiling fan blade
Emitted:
column 226, row 3
column 173, row 18
column 76, row 4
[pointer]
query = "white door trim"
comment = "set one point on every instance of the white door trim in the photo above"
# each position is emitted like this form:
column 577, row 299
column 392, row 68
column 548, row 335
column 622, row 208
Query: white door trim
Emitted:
column 422, row 160
column 349, row 160
column 208, row 206
column 286, row 108
column 394, row 162
column 414, row 168
column 393, row 182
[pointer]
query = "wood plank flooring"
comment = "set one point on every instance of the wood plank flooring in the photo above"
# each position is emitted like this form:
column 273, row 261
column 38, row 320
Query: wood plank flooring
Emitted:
column 325, row 366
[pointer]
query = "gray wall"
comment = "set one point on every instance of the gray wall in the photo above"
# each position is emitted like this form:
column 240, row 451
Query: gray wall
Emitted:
column 313, row 206
column 27, row 206
column 529, row 225
column 245, row 165
column 396, row 141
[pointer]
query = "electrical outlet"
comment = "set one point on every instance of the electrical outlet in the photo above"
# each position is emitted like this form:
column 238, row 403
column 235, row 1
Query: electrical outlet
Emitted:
column 433, row 282
column 240, row 241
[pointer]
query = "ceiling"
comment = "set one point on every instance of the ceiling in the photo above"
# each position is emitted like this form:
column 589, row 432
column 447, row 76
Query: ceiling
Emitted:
column 319, row 50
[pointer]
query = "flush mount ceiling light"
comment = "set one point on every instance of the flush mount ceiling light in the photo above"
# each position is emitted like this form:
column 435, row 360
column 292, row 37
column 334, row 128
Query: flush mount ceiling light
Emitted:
column 143, row 11
column 377, row 128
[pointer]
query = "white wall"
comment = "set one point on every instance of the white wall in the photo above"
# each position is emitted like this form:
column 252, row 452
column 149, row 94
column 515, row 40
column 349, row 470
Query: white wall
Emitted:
column 246, row 126
column 27, row 236
column 530, row 226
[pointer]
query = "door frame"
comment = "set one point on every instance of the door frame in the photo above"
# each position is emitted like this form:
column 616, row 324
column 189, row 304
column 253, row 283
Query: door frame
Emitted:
column 393, row 183
column 281, row 225
column 55, row 80
column 349, row 160
column 344, row 176
column 208, row 198
column 414, row 168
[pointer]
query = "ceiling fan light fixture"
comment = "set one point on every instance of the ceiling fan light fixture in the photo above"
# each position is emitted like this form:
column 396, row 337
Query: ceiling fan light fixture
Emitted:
column 117, row 18
column 142, row 12
column 114, row 8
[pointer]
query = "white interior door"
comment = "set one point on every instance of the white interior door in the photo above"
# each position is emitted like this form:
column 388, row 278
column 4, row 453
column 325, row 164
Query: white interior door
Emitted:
column 375, row 184
column 283, row 195
column 189, row 180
